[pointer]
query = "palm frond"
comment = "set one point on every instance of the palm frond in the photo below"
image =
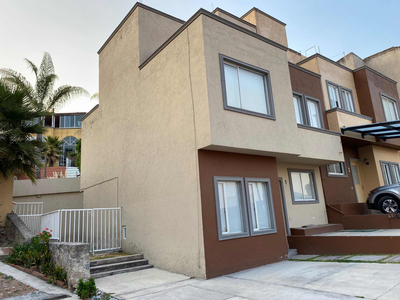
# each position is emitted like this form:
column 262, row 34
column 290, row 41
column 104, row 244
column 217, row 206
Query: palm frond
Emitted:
column 46, row 66
column 15, row 79
column 95, row 96
column 63, row 94
column 44, row 87
column 32, row 66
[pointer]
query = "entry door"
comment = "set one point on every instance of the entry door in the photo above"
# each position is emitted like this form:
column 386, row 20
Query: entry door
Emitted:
column 358, row 180
column 285, row 214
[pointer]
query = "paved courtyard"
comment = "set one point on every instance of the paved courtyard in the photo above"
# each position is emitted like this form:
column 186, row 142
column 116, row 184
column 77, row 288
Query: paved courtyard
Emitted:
column 284, row 280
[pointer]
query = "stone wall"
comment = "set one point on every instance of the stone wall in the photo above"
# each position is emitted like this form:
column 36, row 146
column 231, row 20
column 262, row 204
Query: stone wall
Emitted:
column 16, row 231
column 74, row 258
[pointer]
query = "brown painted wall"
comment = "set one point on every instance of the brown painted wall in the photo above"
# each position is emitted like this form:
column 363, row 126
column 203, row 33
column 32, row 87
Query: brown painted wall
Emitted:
column 340, row 189
column 369, row 86
column 224, row 257
column 308, row 85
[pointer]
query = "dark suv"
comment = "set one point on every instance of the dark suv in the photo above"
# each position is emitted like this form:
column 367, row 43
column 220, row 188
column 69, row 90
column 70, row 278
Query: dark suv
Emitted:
column 385, row 198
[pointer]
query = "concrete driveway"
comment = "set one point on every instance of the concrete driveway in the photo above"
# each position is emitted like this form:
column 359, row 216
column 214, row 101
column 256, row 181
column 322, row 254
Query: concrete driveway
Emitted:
column 283, row 280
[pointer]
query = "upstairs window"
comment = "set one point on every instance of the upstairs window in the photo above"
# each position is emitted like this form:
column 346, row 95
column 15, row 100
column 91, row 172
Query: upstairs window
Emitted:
column 246, row 88
column 70, row 121
column 337, row 170
column 334, row 96
column 308, row 111
column 340, row 97
column 348, row 102
column 390, row 108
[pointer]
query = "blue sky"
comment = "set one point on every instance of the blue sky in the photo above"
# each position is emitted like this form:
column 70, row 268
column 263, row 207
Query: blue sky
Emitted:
column 72, row 31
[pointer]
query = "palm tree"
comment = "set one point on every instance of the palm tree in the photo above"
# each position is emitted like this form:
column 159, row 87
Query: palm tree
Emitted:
column 52, row 149
column 18, row 148
column 41, row 96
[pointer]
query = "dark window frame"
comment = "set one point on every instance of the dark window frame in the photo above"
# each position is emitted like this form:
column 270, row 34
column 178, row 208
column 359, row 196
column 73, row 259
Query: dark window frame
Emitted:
column 340, row 89
column 314, row 182
column 270, row 203
column 392, row 177
column 338, row 175
column 244, row 212
column 304, row 110
column 392, row 99
column 267, row 87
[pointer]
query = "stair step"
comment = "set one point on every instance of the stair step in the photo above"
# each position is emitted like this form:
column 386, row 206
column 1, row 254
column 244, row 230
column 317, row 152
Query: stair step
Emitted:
column 120, row 271
column 108, row 261
column 118, row 266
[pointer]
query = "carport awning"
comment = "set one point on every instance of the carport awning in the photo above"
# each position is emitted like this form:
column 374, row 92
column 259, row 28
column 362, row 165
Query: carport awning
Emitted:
column 383, row 130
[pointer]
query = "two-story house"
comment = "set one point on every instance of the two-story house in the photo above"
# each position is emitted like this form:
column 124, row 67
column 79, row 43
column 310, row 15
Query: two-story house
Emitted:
column 362, row 104
column 204, row 140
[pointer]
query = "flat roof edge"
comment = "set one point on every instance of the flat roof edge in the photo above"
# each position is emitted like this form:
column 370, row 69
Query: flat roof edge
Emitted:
column 233, row 16
column 89, row 112
column 304, row 70
column 265, row 14
column 376, row 72
column 137, row 4
column 204, row 12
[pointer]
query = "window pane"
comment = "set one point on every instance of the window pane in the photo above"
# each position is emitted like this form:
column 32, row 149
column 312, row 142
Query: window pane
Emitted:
column 313, row 111
column 390, row 109
column 386, row 174
column 354, row 171
column 396, row 173
column 334, row 96
column 308, row 189
column 337, row 168
column 232, row 86
column 252, row 91
column 232, row 206
column 298, row 110
column 78, row 120
column 259, row 205
column 62, row 122
column 297, row 187
column 222, row 211
column 348, row 101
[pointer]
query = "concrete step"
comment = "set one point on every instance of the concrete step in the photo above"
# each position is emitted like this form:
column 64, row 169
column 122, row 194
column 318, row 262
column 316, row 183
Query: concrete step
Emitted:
column 118, row 259
column 292, row 252
column 118, row 266
column 120, row 271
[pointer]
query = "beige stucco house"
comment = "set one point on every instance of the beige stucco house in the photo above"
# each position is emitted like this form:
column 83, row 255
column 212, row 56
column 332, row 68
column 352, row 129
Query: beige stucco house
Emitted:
column 218, row 138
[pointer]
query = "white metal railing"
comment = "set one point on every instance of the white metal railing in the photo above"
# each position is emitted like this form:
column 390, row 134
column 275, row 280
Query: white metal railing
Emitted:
column 51, row 221
column 32, row 222
column 27, row 208
column 100, row 227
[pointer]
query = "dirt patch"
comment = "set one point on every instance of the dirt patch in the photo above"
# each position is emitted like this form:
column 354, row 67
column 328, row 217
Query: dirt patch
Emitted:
column 109, row 255
column 9, row 287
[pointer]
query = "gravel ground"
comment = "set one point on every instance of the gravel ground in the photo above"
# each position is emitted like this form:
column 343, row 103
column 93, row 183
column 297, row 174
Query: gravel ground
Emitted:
column 9, row 287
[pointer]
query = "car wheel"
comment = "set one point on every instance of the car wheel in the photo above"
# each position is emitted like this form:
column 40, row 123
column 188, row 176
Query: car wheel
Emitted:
column 388, row 205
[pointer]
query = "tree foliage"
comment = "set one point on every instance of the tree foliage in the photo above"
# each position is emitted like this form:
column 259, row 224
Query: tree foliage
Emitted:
column 19, row 151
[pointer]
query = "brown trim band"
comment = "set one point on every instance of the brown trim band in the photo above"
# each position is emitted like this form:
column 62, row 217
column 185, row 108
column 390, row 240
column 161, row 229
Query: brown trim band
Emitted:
column 89, row 112
column 137, row 4
column 233, row 16
column 304, row 70
column 216, row 18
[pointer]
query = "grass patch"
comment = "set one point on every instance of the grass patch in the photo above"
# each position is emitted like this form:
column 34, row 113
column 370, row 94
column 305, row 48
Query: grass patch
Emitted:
column 109, row 255
column 347, row 259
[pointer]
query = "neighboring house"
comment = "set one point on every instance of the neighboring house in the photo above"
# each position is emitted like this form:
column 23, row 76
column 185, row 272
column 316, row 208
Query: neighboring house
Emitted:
column 67, row 126
column 218, row 137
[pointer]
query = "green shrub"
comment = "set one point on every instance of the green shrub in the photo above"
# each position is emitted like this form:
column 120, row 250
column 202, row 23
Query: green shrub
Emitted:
column 86, row 289
column 37, row 254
